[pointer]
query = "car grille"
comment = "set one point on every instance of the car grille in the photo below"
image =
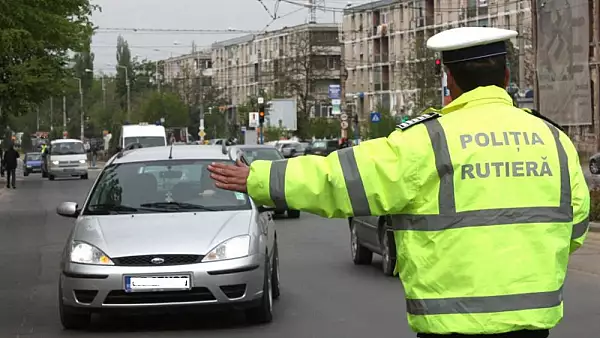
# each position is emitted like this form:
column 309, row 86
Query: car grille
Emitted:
column 130, row 298
column 146, row 260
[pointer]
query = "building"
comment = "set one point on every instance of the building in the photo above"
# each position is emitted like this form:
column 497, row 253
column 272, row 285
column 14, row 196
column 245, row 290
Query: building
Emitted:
column 300, row 61
column 194, row 64
column 382, row 38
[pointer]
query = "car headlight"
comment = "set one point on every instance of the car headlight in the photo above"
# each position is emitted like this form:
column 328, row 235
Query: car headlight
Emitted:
column 235, row 247
column 29, row 166
column 55, row 162
column 84, row 253
column 82, row 161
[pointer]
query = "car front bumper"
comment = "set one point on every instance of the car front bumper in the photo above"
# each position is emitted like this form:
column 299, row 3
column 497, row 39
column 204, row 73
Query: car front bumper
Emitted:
column 69, row 171
column 34, row 169
column 232, row 282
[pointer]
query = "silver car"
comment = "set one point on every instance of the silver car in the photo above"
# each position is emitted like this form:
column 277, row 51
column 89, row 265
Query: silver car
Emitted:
column 155, row 232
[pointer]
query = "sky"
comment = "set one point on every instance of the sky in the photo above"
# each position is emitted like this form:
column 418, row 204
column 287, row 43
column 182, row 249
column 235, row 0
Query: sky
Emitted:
column 122, row 17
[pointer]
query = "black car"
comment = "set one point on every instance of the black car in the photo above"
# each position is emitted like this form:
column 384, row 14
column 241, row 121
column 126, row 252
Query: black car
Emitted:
column 269, row 153
column 373, row 234
column 322, row 147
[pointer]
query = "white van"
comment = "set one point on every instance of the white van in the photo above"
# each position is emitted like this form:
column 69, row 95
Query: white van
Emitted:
column 147, row 135
column 65, row 158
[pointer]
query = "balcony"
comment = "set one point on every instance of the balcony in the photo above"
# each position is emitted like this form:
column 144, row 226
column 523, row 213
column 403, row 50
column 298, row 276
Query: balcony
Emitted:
column 377, row 58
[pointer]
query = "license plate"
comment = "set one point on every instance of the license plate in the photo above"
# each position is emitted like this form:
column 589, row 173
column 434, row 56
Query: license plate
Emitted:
column 157, row 283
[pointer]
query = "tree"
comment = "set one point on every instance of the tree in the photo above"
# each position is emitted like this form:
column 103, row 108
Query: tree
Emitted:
column 35, row 40
column 420, row 78
column 165, row 105
column 124, row 70
column 312, row 62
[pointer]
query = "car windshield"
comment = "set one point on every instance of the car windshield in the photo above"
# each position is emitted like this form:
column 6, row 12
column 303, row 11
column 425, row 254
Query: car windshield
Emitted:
column 262, row 154
column 34, row 157
column 146, row 141
column 319, row 144
column 67, row 148
column 161, row 186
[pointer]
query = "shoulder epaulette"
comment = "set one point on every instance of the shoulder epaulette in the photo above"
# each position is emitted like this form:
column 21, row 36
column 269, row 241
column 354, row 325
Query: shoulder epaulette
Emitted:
column 417, row 120
column 540, row 116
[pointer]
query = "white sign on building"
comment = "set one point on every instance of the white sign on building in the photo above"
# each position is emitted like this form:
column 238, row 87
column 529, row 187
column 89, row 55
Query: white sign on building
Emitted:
column 253, row 120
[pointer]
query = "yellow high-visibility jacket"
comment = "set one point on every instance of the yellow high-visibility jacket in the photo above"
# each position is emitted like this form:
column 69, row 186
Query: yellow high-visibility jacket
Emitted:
column 487, row 203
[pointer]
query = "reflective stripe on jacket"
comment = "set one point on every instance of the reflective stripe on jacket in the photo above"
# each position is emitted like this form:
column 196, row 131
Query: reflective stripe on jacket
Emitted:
column 487, row 202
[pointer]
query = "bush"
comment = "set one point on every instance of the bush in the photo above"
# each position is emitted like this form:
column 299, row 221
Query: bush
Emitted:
column 595, row 204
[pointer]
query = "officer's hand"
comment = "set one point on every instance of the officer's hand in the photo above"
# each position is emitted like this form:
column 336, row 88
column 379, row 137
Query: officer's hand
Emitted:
column 230, row 177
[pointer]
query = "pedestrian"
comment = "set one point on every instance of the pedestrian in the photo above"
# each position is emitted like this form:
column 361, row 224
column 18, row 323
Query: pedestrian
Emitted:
column 1, row 162
column 487, row 201
column 11, row 157
column 94, row 154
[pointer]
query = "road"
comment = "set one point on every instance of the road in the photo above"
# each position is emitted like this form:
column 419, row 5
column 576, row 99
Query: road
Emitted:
column 323, row 293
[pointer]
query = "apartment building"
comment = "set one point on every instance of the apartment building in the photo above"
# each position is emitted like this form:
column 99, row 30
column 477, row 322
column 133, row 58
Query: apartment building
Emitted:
column 279, row 62
column 379, row 42
column 194, row 64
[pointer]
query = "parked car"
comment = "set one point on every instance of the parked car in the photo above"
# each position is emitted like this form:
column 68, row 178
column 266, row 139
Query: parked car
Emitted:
column 322, row 147
column 155, row 232
column 290, row 149
column 595, row 164
column 264, row 152
column 373, row 234
column 32, row 163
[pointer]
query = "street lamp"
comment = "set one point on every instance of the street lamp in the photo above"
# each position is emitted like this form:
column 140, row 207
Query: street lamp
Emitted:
column 127, row 84
column 82, row 117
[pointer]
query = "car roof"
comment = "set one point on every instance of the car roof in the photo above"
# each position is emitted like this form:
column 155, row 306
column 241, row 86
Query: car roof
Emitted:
column 254, row 146
column 66, row 140
column 180, row 152
column 33, row 153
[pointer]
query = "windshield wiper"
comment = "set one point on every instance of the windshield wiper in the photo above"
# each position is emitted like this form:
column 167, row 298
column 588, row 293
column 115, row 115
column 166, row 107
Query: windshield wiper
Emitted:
column 178, row 206
column 105, row 207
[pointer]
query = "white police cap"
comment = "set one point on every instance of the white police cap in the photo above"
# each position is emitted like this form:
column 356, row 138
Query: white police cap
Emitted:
column 470, row 43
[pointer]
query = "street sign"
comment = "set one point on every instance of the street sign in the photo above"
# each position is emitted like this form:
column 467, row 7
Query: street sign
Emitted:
column 335, row 91
column 201, row 133
column 375, row 117
column 336, row 101
column 261, row 100
column 344, row 124
column 336, row 109
column 344, row 117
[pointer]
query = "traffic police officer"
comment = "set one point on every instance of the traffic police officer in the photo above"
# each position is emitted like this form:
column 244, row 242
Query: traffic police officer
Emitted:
column 487, row 200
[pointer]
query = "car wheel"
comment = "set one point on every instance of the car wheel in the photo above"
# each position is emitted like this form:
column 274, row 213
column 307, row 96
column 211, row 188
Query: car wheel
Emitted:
column 71, row 318
column 84, row 177
column 360, row 254
column 263, row 313
column 44, row 174
column 51, row 177
column 388, row 253
column 594, row 168
column 275, row 281
column 25, row 173
column 293, row 213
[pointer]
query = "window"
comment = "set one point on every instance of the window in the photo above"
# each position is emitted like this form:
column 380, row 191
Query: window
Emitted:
column 146, row 141
column 265, row 154
column 66, row 148
column 161, row 186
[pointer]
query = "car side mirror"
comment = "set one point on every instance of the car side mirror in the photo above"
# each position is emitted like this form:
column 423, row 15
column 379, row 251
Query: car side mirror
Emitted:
column 264, row 208
column 68, row 209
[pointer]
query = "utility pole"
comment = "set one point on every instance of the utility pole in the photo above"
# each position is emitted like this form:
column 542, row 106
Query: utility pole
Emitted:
column 51, row 113
column 103, row 93
column 343, row 86
column 521, row 40
column 534, row 42
column 64, row 111
column 37, row 118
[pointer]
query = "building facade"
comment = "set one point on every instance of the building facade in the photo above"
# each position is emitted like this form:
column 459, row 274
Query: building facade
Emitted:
column 380, row 40
column 299, row 61
column 194, row 64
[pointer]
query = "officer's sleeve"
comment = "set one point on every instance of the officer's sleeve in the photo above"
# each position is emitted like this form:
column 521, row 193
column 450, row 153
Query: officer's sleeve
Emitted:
column 376, row 177
column 580, row 196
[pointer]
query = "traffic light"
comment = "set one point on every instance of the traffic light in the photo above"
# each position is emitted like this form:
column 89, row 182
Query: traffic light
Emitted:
column 438, row 66
column 261, row 114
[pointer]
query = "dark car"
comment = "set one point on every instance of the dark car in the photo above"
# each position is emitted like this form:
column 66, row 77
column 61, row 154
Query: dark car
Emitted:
column 373, row 234
column 322, row 147
column 32, row 163
column 255, row 152
column 595, row 164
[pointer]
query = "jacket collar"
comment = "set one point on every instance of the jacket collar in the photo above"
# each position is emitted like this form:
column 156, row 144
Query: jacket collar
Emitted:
column 478, row 96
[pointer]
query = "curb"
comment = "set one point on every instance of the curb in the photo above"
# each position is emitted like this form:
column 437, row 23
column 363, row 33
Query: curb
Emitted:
column 594, row 227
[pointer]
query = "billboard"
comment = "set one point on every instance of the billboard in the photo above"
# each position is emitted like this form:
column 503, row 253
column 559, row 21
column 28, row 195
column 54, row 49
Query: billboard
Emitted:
column 563, row 69
column 253, row 120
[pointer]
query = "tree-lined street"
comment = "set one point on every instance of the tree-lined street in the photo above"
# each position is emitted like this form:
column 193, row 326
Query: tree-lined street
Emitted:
column 323, row 293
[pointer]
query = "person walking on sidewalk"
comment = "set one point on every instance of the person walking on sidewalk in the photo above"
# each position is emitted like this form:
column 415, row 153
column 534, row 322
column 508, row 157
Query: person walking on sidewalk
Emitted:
column 10, row 165
column 1, row 163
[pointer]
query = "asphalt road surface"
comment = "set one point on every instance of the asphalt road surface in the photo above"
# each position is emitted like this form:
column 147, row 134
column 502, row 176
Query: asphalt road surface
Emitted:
column 323, row 293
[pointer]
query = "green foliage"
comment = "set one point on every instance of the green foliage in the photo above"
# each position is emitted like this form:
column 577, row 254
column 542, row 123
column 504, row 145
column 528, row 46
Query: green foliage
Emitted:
column 321, row 127
column 384, row 127
column 513, row 62
column 35, row 38
column 421, row 75
column 167, row 106
column 273, row 134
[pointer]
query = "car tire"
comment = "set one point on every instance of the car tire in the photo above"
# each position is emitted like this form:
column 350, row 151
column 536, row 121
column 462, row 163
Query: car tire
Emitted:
column 25, row 173
column 71, row 318
column 594, row 168
column 388, row 253
column 293, row 213
column 44, row 174
column 51, row 177
column 360, row 254
column 263, row 313
column 275, row 281
column 84, row 177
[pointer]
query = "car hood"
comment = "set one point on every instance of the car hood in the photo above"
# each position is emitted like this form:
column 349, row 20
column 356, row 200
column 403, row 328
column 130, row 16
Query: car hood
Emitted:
column 164, row 233
column 34, row 163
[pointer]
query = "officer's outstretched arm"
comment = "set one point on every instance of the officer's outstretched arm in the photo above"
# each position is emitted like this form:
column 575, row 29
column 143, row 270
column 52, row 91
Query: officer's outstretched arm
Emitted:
column 374, row 178
column 580, row 199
